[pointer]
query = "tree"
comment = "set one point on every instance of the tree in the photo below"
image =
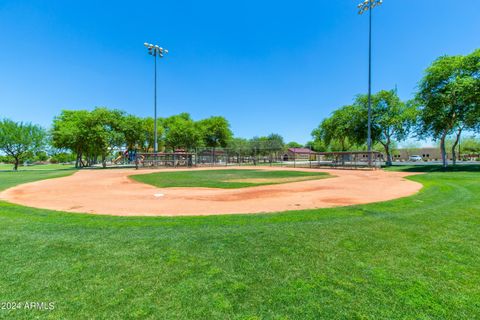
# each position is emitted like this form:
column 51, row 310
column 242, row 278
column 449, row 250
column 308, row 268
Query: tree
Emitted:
column 391, row 119
column 258, row 146
column 275, row 144
column 148, row 136
column 470, row 91
column 41, row 156
column 95, row 134
column 20, row 140
column 293, row 144
column 316, row 145
column 105, row 133
column 215, row 132
column 61, row 157
column 69, row 131
column 449, row 99
column 132, row 128
column 343, row 129
column 239, row 146
column 182, row 132
column 471, row 145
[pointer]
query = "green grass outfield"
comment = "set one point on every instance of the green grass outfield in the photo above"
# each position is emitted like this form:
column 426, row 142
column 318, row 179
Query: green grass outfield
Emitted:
column 9, row 167
column 411, row 258
column 225, row 179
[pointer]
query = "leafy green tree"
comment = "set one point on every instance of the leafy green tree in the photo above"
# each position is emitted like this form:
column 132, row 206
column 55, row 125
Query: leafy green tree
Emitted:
column 6, row 159
column 316, row 145
column 62, row 157
column 448, row 98
column 470, row 92
column 95, row 134
column 258, row 146
column 343, row 129
column 239, row 146
column 40, row 156
column 105, row 133
column 215, row 132
column 20, row 140
column 471, row 145
column 69, row 131
column 391, row 119
column 182, row 132
column 293, row 144
column 132, row 128
column 275, row 144
column 148, row 136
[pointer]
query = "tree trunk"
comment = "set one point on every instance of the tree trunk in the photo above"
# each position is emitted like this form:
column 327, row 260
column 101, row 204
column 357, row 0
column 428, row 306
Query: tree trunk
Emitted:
column 443, row 151
column 386, row 146
column 104, row 161
column 15, row 165
column 454, row 147
column 78, row 161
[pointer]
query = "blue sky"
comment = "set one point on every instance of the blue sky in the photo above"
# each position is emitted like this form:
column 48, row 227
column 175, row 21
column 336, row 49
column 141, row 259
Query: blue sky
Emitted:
column 267, row 66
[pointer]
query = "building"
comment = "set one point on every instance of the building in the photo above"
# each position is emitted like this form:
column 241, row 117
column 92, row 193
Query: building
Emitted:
column 298, row 154
column 427, row 154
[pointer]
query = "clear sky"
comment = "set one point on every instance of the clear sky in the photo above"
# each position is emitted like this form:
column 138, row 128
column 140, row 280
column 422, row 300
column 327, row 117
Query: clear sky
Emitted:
column 268, row 66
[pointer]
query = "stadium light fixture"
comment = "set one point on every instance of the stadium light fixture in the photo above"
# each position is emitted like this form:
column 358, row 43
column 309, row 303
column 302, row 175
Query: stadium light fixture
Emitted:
column 363, row 7
column 155, row 50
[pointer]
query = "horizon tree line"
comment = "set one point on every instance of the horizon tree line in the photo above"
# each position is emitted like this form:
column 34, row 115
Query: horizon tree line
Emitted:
column 445, row 106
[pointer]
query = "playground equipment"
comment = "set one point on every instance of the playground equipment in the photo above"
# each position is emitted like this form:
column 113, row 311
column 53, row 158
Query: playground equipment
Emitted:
column 126, row 157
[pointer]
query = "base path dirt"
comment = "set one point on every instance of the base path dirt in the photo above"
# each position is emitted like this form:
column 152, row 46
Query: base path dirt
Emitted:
column 113, row 192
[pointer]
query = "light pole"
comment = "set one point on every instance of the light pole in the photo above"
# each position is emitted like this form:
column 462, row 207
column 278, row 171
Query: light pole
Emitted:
column 363, row 7
column 155, row 51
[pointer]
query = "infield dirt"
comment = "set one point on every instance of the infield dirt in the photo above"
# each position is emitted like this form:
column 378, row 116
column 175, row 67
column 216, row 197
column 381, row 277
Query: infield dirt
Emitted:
column 112, row 192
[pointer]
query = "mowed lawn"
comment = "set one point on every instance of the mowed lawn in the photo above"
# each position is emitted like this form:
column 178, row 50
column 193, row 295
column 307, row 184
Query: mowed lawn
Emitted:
column 9, row 167
column 226, row 179
column 412, row 258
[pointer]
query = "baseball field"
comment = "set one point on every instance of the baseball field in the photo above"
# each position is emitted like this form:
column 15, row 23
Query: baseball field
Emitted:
column 414, row 257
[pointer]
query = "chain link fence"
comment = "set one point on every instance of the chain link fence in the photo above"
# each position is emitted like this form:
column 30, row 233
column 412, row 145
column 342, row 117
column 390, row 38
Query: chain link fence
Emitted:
column 293, row 157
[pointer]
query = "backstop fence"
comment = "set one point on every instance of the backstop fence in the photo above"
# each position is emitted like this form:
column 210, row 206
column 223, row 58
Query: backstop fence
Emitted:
column 294, row 157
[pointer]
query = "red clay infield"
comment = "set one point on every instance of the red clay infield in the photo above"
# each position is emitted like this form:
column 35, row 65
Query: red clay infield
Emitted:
column 112, row 192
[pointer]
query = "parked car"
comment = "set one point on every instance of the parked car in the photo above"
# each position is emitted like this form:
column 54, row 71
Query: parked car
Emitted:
column 415, row 158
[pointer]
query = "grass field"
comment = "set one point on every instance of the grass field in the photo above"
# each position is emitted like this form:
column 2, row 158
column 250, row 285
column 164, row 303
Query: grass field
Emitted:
column 226, row 179
column 9, row 167
column 412, row 258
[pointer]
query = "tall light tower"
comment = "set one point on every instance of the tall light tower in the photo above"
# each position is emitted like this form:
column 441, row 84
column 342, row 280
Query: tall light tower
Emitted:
column 155, row 51
column 363, row 7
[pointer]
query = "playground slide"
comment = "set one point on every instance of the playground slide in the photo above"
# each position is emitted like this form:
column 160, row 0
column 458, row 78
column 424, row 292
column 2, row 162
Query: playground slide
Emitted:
column 118, row 159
